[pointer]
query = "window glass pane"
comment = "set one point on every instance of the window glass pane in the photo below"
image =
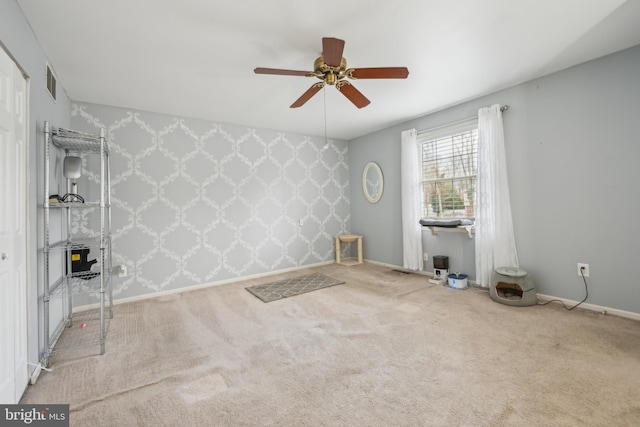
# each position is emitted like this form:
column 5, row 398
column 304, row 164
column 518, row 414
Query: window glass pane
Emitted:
column 449, row 168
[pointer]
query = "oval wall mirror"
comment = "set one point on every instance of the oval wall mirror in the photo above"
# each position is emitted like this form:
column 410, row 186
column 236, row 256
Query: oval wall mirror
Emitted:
column 372, row 182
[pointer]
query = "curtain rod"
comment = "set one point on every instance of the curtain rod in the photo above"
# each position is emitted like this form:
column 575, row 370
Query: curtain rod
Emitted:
column 503, row 108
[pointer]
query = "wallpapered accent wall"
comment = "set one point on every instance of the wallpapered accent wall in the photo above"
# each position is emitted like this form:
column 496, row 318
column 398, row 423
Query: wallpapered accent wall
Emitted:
column 196, row 202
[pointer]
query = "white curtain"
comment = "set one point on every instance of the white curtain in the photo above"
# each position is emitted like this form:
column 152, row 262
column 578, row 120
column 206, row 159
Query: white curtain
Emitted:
column 411, row 201
column 494, row 237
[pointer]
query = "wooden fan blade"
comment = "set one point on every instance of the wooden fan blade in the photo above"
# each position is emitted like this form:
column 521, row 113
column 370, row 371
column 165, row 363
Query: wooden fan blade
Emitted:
column 280, row 72
column 353, row 94
column 307, row 95
column 378, row 73
column 332, row 51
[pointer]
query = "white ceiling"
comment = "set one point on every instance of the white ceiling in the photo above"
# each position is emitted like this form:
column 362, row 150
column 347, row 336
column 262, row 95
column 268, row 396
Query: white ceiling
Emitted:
column 195, row 58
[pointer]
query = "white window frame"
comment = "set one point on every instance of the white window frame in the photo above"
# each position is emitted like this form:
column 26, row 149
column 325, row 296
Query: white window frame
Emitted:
column 442, row 134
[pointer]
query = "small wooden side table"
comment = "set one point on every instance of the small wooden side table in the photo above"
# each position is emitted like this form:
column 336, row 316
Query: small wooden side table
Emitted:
column 348, row 238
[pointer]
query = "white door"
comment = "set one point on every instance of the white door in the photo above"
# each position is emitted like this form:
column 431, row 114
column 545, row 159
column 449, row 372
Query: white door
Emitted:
column 13, row 190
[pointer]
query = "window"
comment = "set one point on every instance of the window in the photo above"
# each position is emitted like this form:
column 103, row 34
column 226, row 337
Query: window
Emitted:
column 449, row 170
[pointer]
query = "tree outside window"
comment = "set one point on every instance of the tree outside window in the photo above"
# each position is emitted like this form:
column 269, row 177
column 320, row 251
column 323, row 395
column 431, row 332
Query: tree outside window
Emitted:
column 449, row 169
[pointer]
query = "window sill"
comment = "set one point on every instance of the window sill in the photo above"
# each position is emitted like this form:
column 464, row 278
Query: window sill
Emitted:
column 469, row 229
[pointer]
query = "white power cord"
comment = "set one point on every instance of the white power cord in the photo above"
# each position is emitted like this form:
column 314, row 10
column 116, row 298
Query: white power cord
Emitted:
column 38, row 365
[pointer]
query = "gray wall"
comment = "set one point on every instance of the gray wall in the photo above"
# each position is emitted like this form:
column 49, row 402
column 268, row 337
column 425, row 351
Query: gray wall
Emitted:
column 572, row 148
column 196, row 202
column 18, row 39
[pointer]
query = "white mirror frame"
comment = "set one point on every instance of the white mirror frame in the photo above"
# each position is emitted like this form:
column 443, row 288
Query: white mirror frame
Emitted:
column 372, row 166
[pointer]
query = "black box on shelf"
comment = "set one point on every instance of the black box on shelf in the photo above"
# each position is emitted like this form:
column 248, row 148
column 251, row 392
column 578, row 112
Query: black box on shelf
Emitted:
column 80, row 264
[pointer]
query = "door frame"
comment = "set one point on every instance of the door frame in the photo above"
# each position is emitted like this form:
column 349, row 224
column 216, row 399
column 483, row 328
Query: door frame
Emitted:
column 28, row 231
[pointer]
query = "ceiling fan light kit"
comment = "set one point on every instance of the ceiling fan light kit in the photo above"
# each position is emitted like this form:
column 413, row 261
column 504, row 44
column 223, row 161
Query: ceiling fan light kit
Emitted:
column 331, row 69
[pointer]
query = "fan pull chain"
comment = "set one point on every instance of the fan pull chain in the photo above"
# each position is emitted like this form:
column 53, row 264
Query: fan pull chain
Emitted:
column 324, row 97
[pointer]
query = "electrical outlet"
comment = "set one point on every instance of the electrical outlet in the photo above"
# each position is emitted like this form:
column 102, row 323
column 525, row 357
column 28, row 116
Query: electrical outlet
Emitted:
column 425, row 257
column 585, row 269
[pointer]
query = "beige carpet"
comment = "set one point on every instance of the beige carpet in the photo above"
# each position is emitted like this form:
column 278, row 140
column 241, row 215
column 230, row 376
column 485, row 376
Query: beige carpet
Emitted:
column 384, row 349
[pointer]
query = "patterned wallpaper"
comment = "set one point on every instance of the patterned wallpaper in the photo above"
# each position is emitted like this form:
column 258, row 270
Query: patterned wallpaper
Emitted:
column 196, row 202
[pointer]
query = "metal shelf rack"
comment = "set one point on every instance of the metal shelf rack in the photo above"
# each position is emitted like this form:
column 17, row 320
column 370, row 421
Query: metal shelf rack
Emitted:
column 94, row 324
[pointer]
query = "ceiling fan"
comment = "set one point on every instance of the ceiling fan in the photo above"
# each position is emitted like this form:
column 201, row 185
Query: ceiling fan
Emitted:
column 331, row 69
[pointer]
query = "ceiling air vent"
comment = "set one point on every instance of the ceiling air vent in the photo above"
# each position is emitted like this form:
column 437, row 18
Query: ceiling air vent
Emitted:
column 51, row 83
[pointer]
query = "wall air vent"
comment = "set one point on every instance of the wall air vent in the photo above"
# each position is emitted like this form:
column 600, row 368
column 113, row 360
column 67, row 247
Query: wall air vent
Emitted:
column 51, row 83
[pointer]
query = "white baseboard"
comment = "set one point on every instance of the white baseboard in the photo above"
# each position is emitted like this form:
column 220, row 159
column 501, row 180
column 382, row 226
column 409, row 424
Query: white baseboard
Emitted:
column 593, row 307
column 399, row 268
column 542, row 297
column 195, row 287
column 406, row 270
column 36, row 374
column 37, row 371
